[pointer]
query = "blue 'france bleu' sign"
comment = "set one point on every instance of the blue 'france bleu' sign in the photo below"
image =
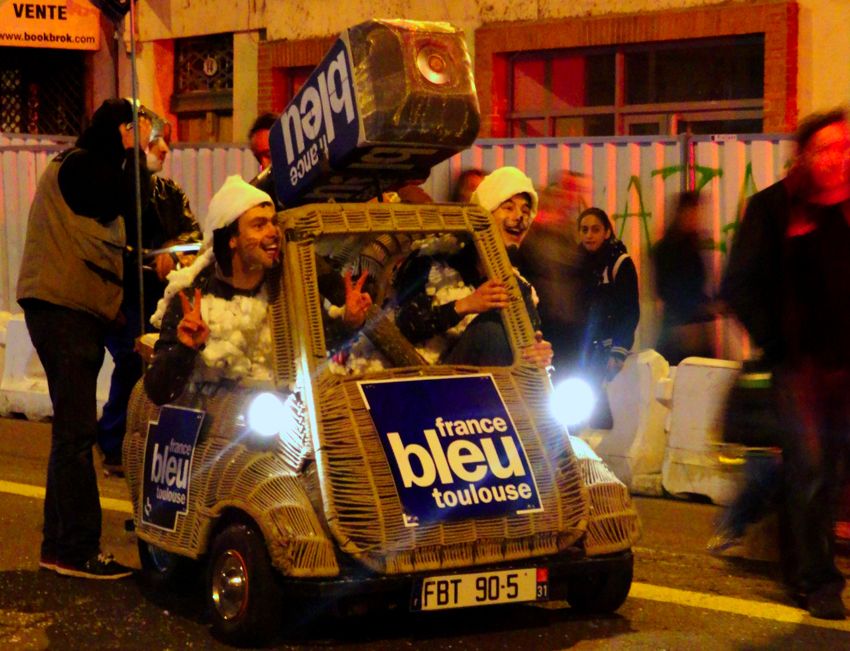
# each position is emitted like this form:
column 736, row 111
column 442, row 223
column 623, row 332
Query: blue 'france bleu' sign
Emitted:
column 320, row 125
column 169, row 448
column 452, row 448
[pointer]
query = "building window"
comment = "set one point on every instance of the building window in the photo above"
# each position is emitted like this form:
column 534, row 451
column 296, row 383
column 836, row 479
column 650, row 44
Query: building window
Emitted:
column 288, row 82
column 41, row 91
column 204, row 65
column 203, row 88
column 713, row 85
column 284, row 66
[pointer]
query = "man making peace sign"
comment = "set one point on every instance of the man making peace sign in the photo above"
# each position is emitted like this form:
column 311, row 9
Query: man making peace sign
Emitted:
column 224, row 324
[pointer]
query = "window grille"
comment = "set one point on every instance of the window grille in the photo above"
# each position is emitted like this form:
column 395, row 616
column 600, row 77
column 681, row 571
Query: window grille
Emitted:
column 41, row 91
column 204, row 64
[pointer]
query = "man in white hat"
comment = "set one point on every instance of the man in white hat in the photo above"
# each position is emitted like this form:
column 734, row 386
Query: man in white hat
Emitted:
column 462, row 324
column 224, row 324
column 215, row 310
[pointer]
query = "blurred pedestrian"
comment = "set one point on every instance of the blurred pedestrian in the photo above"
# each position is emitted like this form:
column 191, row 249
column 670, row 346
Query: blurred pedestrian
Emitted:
column 70, row 288
column 610, row 299
column 550, row 259
column 466, row 184
column 167, row 220
column 787, row 281
column 751, row 429
column 680, row 280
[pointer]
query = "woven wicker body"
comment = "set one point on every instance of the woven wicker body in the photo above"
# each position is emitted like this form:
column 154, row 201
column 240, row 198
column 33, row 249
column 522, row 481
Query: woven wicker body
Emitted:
column 328, row 489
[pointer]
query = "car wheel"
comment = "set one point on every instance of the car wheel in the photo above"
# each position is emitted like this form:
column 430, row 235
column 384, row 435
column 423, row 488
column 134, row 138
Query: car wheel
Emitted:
column 601, row 592
column 162, row 569
column 243, row 593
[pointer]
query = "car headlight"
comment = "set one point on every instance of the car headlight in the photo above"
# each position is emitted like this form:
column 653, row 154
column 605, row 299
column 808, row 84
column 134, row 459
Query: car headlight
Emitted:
column 572, row 401
column 267, row 414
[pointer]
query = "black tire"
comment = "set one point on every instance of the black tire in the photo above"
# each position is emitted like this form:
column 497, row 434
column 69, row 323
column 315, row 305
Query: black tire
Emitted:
column 601, row 592
column 162, row 569
column 243, row 594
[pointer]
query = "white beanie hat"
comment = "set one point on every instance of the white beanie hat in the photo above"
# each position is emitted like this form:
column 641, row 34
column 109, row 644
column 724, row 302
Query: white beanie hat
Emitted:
column 500, row 185
column 232, row 199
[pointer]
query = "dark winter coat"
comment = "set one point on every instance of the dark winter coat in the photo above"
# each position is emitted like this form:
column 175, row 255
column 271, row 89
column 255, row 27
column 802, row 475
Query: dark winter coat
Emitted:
column 611, row 298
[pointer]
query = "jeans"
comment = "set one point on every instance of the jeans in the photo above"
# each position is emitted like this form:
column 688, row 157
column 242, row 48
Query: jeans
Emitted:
column 483, row 343
column 758, row 497
column 128, row 370
column 812, row 403
column 70, row 345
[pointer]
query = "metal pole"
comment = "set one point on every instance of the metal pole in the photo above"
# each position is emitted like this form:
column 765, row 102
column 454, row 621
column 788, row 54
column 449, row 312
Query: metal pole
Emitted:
column 136, row 164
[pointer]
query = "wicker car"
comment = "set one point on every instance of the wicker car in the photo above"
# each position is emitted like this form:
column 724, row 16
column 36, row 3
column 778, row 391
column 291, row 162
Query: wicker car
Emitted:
column 437, row 486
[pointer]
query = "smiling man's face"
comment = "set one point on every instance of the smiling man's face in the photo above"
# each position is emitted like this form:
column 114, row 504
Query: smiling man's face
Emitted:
column 257, row 242
column 514, row 217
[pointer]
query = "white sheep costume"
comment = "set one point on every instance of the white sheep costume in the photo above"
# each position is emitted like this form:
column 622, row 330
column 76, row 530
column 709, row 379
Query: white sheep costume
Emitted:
column 239, row 344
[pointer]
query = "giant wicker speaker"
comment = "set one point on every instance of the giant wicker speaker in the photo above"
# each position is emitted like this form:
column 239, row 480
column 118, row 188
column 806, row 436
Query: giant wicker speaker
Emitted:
column 391, row 99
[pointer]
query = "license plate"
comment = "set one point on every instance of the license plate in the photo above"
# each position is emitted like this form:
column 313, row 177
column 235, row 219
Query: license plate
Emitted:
column 481, row 589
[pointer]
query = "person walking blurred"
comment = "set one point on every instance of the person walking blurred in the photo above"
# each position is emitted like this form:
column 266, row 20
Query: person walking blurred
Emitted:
column 680, row 282
column 551, row 261
column 787, row 281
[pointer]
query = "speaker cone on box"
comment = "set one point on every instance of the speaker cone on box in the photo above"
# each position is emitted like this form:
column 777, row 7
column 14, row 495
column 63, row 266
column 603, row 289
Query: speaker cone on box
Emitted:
column 391, row 99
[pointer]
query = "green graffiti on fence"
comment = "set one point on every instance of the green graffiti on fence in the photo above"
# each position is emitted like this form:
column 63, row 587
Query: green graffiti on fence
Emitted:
column 727, row 232
column 704, row 175
column 642, row 213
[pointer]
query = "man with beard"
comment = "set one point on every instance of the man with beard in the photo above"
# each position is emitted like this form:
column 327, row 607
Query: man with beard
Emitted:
column 213, row 315
column 166, row 220
column 243, row 243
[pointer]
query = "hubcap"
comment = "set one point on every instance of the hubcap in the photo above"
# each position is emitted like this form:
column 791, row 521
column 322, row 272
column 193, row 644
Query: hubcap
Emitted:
column 230, row 585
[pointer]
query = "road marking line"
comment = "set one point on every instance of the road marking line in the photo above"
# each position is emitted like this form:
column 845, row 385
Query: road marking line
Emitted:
column 646, row 591
column 28, row 490
column 733, row 605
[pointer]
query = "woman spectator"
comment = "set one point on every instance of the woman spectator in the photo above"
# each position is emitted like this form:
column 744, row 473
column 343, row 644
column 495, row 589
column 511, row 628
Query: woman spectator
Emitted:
column 610, row 294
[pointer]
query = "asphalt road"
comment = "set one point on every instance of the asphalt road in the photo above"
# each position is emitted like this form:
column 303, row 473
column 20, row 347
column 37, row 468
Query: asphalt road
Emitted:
column 682, row 597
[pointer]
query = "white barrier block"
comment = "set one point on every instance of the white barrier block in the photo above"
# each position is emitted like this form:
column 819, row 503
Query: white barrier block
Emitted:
column 691, row 463
column 634, row 447
column 23, row 388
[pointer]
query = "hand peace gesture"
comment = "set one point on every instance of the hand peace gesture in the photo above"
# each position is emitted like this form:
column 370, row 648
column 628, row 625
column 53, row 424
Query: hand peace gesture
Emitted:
column 357, row 302
column 192, row 331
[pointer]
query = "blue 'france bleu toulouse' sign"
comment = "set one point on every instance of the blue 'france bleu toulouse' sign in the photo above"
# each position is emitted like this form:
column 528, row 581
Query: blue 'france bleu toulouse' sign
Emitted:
column 169, row 448
column 320, row 124
column 452, row 448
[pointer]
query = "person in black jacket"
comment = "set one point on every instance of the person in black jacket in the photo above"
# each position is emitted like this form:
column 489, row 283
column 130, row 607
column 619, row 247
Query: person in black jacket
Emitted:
column 610, row 297
column 787, row 281
column 610, row 294
column 167, row 220
column 680, row 280
column 70, row 288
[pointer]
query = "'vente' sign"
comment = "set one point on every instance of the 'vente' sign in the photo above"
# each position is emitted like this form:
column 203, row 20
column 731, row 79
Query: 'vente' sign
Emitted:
column 63, row 24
